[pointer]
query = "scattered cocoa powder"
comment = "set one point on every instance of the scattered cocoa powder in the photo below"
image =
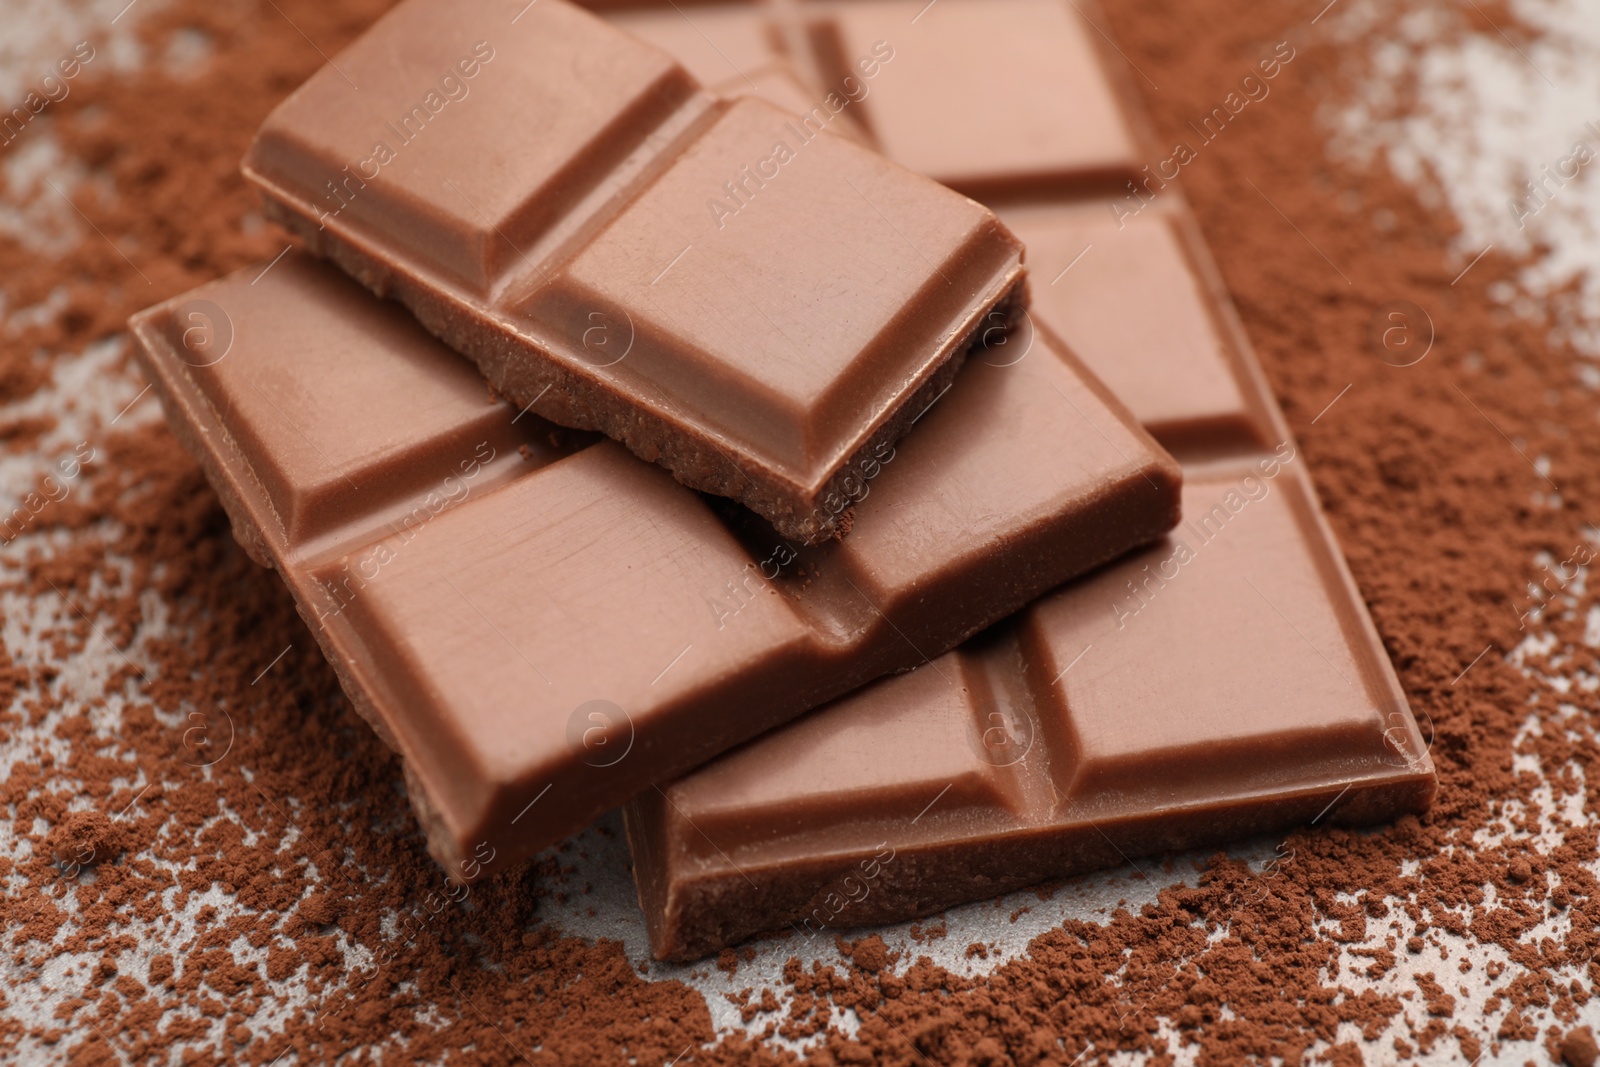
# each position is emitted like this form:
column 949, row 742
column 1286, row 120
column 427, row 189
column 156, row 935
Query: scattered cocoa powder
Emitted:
column 121, row 817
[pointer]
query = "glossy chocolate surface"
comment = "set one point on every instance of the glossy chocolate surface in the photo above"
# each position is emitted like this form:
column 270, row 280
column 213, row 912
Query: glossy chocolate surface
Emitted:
column 1040, row 113
column 717, row 283
column 543, row 626
column 1221, row 684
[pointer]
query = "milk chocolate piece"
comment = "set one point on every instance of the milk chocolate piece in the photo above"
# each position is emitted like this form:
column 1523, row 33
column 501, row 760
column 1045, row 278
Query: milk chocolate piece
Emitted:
column 542, row 628
column 712, row 282
column 1222, row 684
column 1117, row 290
column 1225, row 683
column 715, row 42
column 735, row 51
column 1041, row 116
column 1045, row 136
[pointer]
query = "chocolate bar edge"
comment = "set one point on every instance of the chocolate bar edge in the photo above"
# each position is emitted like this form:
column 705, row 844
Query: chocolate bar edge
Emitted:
column 692, row 923
column 245, row 504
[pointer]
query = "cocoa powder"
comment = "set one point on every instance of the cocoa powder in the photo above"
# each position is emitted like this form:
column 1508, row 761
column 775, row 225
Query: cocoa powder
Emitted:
column 291, row 857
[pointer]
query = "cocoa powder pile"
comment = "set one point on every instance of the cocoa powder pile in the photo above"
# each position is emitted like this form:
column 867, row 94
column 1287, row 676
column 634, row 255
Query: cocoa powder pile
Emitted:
column 212, row 792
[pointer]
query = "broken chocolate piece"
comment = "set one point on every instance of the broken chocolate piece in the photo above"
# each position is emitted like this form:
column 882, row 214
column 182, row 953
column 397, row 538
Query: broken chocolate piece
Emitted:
column 542, row 631
column 712, row 282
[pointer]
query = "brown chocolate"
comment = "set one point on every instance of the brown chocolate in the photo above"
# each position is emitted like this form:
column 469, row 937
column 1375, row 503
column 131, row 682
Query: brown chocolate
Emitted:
column 1222, row 684
column 1042, row 117
column 1225, row 683
column 1109, row 282
column 540, row 628
column 713, row 282
column 1429, row 503
column 1141, row 287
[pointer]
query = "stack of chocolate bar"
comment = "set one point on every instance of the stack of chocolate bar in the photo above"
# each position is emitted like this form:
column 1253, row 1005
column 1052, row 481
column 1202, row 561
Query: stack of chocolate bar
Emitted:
column 708, row 397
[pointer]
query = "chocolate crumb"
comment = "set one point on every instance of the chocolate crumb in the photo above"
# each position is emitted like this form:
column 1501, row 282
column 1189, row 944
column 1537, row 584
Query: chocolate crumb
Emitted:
column 1578, row 1048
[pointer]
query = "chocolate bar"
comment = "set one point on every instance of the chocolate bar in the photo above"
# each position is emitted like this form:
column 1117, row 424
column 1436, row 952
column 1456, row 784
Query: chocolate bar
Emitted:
column 1042, row 118
column 540, row 623
column 717, row 283
column 1223, row 683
